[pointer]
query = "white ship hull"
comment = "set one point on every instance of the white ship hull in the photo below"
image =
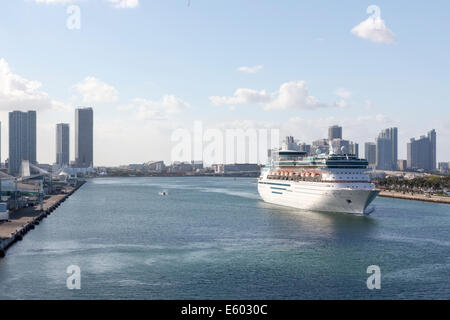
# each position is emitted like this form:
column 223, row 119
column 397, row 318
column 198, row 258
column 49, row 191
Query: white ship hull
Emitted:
column 318, row 196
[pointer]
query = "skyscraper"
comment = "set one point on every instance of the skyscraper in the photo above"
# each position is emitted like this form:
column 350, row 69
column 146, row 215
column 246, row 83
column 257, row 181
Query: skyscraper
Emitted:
column 422, row 152
column 384, row 154
column 334, row 132
column 84, row 137
column 22, row 139
column 432, row 139
column 370, row 152
column 62, row 144
column 392, row 135
column 354, row 149
column 402, row 165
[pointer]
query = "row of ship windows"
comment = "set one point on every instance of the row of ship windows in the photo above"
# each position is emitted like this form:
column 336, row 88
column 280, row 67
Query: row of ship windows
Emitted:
column 348, row 178
column 353, row 176
column 353, row 187
column 347, row 172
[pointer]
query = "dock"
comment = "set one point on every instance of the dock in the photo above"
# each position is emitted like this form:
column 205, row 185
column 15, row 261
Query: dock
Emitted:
column 26, row 219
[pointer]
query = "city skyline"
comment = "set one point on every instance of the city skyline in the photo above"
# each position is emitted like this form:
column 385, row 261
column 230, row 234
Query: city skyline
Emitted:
column 381, row 154
column 310, row 76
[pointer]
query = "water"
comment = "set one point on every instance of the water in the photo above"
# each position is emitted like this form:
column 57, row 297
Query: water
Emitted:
column 213, row 238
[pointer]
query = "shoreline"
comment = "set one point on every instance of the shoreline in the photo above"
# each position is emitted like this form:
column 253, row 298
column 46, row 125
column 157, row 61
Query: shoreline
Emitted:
column 415, row 197
column 26, row 219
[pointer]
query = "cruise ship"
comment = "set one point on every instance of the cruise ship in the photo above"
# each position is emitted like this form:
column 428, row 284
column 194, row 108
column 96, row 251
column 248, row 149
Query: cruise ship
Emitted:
column 325, row 182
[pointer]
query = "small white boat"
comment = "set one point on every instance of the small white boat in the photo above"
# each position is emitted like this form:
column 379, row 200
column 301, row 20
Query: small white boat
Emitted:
column 163, row 193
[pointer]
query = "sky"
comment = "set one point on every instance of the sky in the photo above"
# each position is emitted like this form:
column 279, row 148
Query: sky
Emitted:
column 151, row 67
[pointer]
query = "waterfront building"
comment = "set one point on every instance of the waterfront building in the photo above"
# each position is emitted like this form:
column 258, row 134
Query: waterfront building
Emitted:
column 432, row 138
column 354, row 149
column 22, row 139
column 290, row 144
column 422, row 152
column 444, row 167
column 181, row 167
column 133, row 166
column 384, row 154
column 305, row 147
column 392, row 135
column 62, row 144
column 370, row 152
column 197, row 164
column 154, row 166
column 84, row 137
column 402, row 165
column 237, row 168
column 334, row 132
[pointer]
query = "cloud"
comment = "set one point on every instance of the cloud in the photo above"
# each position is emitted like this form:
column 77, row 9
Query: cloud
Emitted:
column 374, row 28
column 254, row 69
column 93, row 90
column 341, row 104
column 145, row 109
column 291, row 95
column 125, row 3
column 18, row 93
column 116, row 3
column 343, row 93
column 242, row 96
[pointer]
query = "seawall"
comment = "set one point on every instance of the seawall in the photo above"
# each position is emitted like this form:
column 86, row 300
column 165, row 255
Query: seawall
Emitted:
column 416, row 197
column 26, row 219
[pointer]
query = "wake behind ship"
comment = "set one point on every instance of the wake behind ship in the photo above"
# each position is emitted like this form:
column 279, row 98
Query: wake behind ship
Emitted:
column 325, row 182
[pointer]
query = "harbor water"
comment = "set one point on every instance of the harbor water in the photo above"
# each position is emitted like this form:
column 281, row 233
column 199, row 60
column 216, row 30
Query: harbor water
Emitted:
column 214, row 238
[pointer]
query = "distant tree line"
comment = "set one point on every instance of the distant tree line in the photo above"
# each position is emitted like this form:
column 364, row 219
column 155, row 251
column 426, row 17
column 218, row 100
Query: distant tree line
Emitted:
column 434, row 184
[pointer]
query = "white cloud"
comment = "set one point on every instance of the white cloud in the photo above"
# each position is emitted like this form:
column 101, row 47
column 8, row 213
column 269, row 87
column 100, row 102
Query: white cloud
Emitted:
column 341, row 104
column 291, row 95
column 19, row 93
column 375, row 30
column 145, row 109
column 254, row 69
column 343, row 93
column 125, row 3
column 93, row 90
column 242, row 96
